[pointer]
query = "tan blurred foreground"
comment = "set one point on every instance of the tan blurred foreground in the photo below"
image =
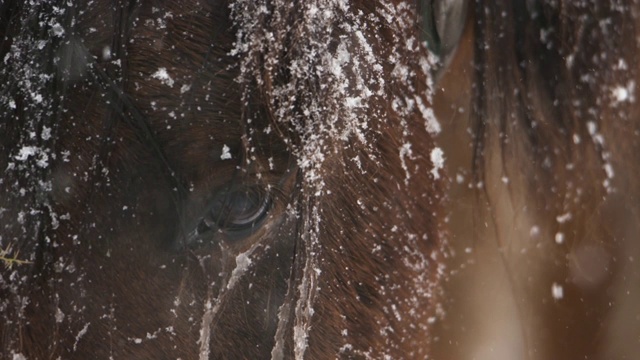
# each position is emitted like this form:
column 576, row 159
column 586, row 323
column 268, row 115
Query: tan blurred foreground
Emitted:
column 524, row 285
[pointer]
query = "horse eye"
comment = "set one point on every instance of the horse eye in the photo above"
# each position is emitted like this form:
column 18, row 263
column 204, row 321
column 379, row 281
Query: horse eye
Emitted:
column 236, row 212
column 443, row 22
column 242, row 209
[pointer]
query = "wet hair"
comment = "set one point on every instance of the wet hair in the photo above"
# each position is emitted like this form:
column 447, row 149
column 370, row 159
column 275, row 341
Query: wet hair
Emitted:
column 555, row 117
column 549, row 77
column 338, row 99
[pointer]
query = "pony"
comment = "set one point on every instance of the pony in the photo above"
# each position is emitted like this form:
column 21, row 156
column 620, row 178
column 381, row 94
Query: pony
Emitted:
column 229, row 179
column 218, row 180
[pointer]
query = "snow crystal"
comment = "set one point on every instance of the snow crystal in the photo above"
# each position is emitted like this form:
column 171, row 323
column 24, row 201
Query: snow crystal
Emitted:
column 534, row 231
column 598, row 139
column 36, row 97
column 557, row 291
column 431, row 123
column 620, row 94
column 563, row 218
column 226, row 155
column 622, row 65
column 57, row 30
column 242, row 264
column 405, row 152
column 569, row 61
column 608, row 170
column 25, row 152
column 437, row 159
column 80, row 334
column 576, row 139
column 43, row 160
column 185, row 88
column 205, row 329
column 106, row 53
column 162, row 75
column 46, row 133
column 624, row 93
column 277, row 352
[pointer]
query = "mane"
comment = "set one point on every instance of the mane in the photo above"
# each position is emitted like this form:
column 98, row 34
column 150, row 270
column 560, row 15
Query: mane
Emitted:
column 130, row 131
column 334, row 114
column 569, row 67
column 555, row 124
column 326, row 105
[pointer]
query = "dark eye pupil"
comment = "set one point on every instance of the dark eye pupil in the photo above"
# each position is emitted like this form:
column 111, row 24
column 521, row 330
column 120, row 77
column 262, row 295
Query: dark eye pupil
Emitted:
column 236, row 209
column 236, row 212
column 242, row 209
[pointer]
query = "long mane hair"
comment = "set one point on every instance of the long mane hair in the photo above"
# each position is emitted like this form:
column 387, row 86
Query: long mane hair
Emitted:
column 122, row 122
column 555, row 130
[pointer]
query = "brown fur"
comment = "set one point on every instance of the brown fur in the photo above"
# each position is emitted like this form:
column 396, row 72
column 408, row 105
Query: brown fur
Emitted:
column 133, row 160
column 543, row 74
column 349, row 261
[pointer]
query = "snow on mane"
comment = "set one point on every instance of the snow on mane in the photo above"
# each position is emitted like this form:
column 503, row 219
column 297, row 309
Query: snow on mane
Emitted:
column 330, row 95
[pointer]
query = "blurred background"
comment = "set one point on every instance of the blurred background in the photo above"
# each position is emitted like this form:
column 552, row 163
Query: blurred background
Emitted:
column 523, row 285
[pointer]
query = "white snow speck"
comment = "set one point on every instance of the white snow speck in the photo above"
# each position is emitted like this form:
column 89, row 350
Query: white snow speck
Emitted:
column 563, row 218
column 569, row 61
column 620, row 94
column 57, row 29
column 46, row 133
column 576, row 139
column 431, row 123
column 81, row 333
column 242, row 264
column 609, row 170
column 106, row 53
column 624, row 93
column 535, row 231
column 25, row 152
column 622, row 65
column 205, row 328
column 557, row 291
column 185, row 88
column 163, row 76
column 226, row 155
column 36, row 97
column 559, row 238
column 405, row 152
column 437, row 159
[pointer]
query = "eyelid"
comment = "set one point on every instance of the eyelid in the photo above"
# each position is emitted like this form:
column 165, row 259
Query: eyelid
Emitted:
column 219, row 215
column 259, row 212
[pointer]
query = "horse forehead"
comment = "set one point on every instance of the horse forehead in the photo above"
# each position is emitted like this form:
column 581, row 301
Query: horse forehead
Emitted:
column 172, row 60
